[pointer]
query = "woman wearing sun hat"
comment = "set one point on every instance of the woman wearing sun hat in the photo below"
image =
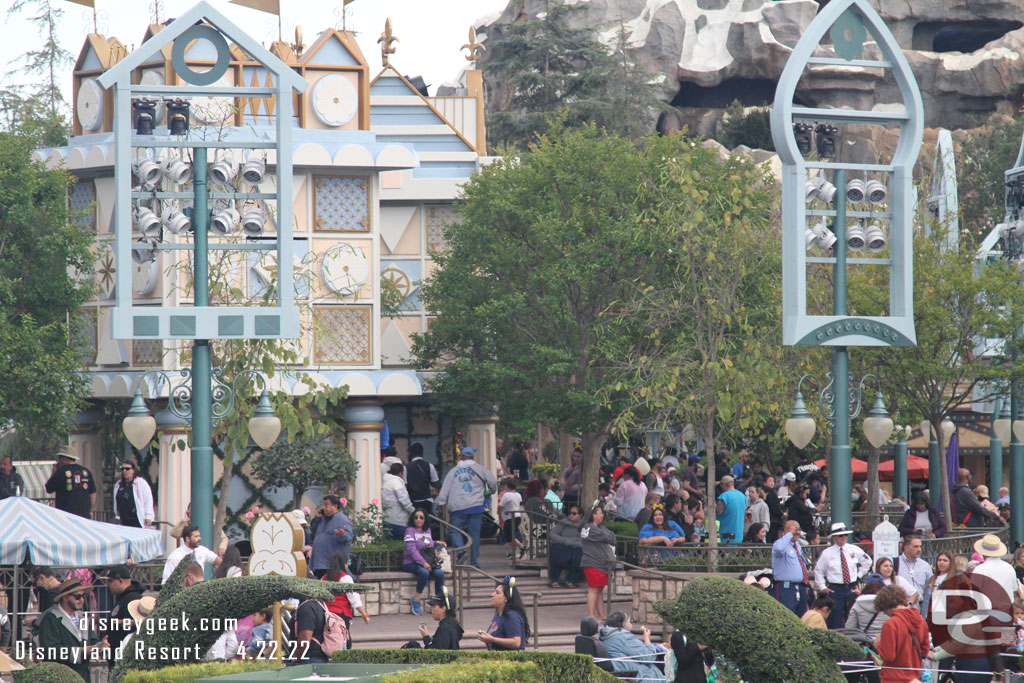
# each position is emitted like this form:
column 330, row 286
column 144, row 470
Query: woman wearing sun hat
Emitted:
column 995, row 567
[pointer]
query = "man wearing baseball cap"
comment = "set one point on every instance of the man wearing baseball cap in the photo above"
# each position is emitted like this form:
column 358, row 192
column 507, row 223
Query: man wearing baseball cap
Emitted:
column 463, row 492
column 73, row 486
column 124, row 589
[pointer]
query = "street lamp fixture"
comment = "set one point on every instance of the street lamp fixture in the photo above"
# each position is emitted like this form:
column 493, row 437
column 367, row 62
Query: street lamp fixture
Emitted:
column 252, row 222
column 224, row 221
column 177, row 222
column 147, row 222
column 139, row 426
column 1002, row 424
column 855, row 237
column 878, row 424
column 875, row 238
column 802, row 131
column 800, row 426
column 876, row 192
column 855, row 190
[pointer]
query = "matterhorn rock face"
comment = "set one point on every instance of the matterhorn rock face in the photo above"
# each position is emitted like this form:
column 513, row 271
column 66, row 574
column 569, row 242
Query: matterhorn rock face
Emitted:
column 967, row 55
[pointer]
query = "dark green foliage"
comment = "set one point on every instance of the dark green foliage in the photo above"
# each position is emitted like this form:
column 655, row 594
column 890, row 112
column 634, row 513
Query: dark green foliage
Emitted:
column 471, row 672
column 554, row 667
column 765, row 641
column 186, row 673
column 47, row 672
column 981, row 159
column 303, row 463
column 622, row 527
column 176, row 581
column 753, row 128
column 542, row 69
column 39, row 242
column 232, row 598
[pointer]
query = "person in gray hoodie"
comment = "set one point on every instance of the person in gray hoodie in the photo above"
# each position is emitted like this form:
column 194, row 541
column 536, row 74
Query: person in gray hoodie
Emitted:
column 864, row 618
column 463, row 492
column 598, row 559
column 566, row 551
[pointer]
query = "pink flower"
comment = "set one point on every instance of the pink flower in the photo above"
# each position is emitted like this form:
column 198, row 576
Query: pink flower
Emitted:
column 305, row 510
column 255, row 509
column 250, row 514
column 375, row 501
column 344, row 502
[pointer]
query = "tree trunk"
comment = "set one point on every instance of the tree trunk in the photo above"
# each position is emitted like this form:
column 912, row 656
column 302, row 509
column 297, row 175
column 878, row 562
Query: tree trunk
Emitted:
column 873, row 489
column 947, row 511
column 591, row 468
column 709, row 507
column 220, row 514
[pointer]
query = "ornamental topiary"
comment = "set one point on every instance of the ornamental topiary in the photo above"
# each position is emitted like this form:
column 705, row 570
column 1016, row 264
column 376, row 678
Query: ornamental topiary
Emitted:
column 47, row 672
column 176, row 581
column 765, row 641
column 186, row 673
column 183, row 628
column 470, row 672
column 554, row 667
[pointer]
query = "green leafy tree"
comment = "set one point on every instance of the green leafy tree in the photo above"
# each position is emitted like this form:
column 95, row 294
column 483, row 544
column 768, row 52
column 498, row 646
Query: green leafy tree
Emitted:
column 959, row 311
column 42, row 99
column 543, row 68
column 545, row 244
column 303, row 463
column 982, row 157
column 39, row 297
column 696, row 339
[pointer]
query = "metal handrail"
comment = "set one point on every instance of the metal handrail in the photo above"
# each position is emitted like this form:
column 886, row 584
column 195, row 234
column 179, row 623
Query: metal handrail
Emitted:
column 454, row 554
column 536, row 596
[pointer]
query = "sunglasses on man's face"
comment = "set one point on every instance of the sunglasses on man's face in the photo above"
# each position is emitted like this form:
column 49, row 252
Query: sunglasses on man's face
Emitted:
column 127, row 469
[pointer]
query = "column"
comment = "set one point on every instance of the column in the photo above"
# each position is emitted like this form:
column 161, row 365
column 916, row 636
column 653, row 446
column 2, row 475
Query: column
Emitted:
column 363, row 422
column 482, row 436
column 174, row 473
column 87, row 444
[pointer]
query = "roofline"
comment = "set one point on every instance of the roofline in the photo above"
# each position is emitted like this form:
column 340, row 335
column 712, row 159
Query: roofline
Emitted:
column 202, row 11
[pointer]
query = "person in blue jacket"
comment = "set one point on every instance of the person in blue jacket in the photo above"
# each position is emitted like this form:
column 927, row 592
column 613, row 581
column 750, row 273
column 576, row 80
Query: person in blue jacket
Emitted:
column 616, row 636
column 660, row 530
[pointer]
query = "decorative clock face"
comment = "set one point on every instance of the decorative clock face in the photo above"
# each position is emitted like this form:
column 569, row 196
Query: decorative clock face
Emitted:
column 344, row 269
column 153, row 77
column 335, row 100
column 213, row 109
column 89, row 105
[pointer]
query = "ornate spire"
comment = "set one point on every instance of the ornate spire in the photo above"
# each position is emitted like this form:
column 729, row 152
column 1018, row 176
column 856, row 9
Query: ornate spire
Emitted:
column 386, row 39
column 475, row 48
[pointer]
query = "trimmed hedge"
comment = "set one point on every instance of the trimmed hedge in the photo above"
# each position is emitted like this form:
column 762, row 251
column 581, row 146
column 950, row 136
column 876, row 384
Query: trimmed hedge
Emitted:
column 471, row 672
column 622, row 527
column 47, row 672
column 176, row 581
column 219, row 599
column 554, row 667
column 765, row 641
column 186, row 673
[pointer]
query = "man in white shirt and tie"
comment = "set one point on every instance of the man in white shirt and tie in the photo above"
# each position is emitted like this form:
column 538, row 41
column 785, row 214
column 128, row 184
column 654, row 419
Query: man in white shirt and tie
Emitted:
column 837, row 571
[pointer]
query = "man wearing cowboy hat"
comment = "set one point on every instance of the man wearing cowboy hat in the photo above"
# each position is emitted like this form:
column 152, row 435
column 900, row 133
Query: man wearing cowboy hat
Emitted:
column 62, row 637
column 837, row 571
column 72, row 484
column 995, row 567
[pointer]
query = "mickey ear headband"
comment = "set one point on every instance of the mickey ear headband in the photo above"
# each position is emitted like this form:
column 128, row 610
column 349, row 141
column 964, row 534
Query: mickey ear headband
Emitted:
column 511, row 581
column 447, row 599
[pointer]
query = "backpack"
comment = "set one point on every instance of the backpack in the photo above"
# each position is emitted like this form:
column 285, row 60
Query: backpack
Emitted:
column 335, row 631
column 418, row 479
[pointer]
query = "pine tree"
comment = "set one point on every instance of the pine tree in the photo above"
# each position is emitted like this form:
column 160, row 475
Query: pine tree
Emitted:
column 48, row 61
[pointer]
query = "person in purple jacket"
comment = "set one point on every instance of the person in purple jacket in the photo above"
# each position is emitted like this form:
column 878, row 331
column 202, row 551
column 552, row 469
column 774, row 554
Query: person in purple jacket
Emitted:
column 417, row 537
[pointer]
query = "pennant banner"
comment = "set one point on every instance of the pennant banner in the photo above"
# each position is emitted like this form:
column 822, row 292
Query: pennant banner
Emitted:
column 87, row 3
column 270, row 6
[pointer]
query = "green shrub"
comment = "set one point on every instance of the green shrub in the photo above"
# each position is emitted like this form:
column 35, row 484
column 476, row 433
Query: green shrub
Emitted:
column 623, row 528
column 545, row 470
column 554, row 667
column 751, row 128
column 47, row 672
column 381, row 556
column 186, row 673
column 765, row 641
column 471, row 672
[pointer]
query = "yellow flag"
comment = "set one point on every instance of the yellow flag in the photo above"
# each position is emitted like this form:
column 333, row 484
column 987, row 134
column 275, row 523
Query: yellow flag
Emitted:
column 87, row 3
column 271, row 6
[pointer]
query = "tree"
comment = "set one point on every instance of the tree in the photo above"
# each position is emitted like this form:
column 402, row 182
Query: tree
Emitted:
column 542, row 67
column 39, row 297
column 707, row 313
column 959, row 315
column 304, row 463
column 50, row 59
column 546, row 242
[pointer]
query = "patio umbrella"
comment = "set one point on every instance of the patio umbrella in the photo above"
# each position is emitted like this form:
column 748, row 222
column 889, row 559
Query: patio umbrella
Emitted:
column 859, row 467
column 917, row 468
column 51, row 537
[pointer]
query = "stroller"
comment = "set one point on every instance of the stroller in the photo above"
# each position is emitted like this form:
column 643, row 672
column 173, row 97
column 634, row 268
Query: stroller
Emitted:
column 863, row 670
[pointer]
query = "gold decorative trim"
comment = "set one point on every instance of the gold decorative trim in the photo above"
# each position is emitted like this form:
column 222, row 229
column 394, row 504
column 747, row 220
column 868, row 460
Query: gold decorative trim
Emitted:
column 365, row 225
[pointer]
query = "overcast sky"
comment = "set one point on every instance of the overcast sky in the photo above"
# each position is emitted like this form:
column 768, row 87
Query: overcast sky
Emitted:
column 430, row 32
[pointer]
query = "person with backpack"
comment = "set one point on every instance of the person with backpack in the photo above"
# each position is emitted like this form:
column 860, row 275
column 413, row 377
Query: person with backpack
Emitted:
column 319, row 631
column 421, row 479
column 464, row 489
column 345, row 604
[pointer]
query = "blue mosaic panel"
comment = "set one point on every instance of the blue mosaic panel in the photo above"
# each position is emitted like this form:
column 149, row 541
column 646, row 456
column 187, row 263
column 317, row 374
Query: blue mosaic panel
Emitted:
column 341, row 204
column 82, row 198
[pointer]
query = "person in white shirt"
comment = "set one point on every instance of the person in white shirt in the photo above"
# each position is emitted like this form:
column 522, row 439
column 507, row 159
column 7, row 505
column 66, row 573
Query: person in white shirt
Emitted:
column 911, row 567
column 884, row 568
column 508, row 507
column 788, row 486
column 837, row 571
column 995, row 567
column 192, row 544
column 757, row 510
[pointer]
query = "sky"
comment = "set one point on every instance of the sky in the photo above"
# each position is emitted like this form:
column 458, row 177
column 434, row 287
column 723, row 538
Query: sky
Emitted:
column 430, row 32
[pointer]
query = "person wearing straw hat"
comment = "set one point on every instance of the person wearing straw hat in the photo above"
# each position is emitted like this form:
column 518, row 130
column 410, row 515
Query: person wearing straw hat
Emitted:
column 995, row 567
column 837, row 571
column 64, row 635
column 73, row 486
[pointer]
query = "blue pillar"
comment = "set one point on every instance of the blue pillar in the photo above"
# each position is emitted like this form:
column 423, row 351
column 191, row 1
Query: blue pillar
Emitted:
column 935, row 466
column 840, row 476
column 900, row 487
column 1016, row 475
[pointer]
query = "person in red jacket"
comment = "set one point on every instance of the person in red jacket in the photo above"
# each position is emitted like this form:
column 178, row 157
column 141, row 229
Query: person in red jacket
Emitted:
column 903, row 642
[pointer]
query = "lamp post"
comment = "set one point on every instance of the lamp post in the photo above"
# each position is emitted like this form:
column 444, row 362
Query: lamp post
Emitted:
column 202, row 399
column 877, row 427
column 900, row 485
column 1001, row 425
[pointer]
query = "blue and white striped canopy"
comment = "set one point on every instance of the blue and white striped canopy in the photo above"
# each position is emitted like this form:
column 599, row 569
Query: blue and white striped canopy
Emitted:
column 51, row 537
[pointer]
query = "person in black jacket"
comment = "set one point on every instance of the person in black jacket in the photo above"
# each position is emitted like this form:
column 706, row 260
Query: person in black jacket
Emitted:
column 449, row 631
column 690, row 659
column 797, row 508
column 774, row 509
column 11, row 483
column 125, row 589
